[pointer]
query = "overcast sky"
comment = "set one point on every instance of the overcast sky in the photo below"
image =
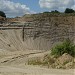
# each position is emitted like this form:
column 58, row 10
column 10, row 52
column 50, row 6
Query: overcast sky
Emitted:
column 14, row 8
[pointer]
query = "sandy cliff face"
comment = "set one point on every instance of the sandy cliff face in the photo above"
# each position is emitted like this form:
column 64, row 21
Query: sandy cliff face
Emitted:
column 47, row 31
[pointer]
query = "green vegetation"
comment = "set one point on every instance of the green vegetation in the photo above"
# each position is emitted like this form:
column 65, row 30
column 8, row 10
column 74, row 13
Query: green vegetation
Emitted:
column 55, row 11
column 66, row 47
column 2, row 14
column 68, row 10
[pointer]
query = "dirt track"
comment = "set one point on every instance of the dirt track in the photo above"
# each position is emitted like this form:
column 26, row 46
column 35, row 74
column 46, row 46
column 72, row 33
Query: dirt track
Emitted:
column 30, row 70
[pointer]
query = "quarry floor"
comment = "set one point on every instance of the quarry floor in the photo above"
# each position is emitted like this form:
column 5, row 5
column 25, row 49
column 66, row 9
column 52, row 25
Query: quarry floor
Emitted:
column 13, row 63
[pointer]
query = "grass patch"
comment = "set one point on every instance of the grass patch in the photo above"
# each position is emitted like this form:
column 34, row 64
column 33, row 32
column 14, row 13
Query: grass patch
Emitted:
column 46, row 61
column 34, row 62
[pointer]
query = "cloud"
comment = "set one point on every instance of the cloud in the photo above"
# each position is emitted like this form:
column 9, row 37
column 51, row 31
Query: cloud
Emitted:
column 14, row 9
column 57, row 4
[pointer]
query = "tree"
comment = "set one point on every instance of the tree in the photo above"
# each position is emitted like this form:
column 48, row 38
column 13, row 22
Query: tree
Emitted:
column 2, row 14
column 68, row 10
column 55, row 11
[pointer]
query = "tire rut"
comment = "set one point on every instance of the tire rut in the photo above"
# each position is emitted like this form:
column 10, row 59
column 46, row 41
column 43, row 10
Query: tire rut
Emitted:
column 19, row 57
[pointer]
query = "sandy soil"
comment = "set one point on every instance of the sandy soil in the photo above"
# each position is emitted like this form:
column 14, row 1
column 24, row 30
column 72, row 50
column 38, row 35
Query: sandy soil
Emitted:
column 13, row 63
column 30, row 70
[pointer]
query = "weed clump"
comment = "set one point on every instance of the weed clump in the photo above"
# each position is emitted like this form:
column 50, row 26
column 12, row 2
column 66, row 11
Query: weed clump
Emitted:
column 66, row 47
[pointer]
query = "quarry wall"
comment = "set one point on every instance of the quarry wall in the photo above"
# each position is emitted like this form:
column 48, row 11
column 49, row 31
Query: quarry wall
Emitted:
column 44, row 33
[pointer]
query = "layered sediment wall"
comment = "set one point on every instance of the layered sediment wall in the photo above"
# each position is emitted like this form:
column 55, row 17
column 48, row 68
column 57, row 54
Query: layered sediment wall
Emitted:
column 43, row 34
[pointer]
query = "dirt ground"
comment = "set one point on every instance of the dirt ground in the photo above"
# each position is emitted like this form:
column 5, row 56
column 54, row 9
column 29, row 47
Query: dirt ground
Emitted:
column 13, row 63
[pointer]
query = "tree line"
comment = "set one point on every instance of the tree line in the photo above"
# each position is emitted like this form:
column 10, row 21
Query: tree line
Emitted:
column 67, row 10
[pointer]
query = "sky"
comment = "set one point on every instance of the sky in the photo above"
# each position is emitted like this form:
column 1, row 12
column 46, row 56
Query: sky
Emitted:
column 13, row 8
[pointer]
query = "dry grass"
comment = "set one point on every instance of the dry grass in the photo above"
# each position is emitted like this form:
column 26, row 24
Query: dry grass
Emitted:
column 51, row 62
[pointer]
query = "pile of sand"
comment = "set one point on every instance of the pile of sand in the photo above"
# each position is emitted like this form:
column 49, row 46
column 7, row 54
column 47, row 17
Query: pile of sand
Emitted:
column 64, row 61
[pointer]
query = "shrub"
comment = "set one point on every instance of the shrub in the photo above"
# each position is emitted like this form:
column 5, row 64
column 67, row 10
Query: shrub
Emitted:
column 66, row 47
column 2, row 14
